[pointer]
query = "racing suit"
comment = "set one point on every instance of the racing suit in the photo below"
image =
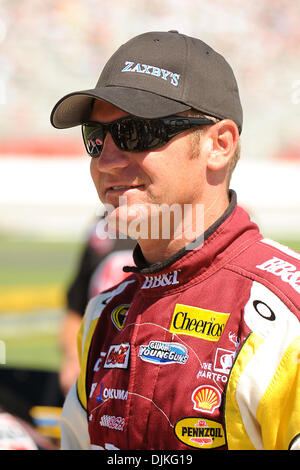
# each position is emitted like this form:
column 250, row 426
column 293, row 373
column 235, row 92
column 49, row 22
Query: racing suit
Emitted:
column 199, row 352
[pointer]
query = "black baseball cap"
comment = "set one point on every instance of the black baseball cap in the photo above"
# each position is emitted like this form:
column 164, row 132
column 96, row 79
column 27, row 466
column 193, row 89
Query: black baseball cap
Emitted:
column 158, row 74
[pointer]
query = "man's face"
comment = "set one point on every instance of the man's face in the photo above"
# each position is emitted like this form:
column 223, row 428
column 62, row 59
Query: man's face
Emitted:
column 168, row 175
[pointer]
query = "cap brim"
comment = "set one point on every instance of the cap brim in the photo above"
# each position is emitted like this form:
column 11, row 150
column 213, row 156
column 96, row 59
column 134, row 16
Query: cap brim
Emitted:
column 75, row 108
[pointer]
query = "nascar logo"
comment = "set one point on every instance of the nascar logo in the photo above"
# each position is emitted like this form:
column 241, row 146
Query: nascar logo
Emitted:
column 113, row 422
column 119, row 314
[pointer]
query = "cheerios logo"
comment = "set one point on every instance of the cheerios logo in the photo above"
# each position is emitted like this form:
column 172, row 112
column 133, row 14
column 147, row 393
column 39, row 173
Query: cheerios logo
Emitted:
column 194, row 321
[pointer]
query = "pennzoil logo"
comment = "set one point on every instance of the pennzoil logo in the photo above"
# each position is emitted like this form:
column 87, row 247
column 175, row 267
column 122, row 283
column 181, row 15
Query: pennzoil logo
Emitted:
column 198, row 322
column 119, row 314
column 200, row 433
column 206, row 398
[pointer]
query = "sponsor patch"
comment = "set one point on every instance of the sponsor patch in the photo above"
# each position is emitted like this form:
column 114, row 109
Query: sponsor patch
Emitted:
column 119, row 314
column 283, row 269
column 105, row 393
column 112, row 422
column 160, row 280
column 198, row 322
column 200, row 433
column 159, row 352
column 117, row 356
column 206, row 398
column 206, row 372
column 224, row 360
column 136, row 67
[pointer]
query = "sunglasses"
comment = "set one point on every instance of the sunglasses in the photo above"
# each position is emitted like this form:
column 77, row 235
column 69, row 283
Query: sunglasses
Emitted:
column 133, row 134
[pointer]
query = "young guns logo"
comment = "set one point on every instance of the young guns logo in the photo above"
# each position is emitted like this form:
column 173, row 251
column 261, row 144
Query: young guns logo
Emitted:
column 160, row 352
column 194, row 321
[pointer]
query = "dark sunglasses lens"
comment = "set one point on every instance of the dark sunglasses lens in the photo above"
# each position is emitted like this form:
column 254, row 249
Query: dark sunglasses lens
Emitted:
column 93, row 138
column 137, row 135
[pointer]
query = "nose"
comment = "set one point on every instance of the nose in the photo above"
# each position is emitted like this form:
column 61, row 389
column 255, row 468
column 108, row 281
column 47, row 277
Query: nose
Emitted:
column 111, row 158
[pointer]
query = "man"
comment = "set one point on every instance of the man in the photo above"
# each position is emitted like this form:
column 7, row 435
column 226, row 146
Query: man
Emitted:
column 199, row 347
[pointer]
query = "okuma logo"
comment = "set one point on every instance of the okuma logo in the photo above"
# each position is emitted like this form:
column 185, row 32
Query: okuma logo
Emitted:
column 105, row 393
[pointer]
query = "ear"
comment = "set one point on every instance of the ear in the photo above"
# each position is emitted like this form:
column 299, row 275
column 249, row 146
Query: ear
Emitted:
column 222, row 140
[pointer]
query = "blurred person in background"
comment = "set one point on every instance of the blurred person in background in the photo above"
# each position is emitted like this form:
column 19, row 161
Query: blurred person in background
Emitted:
column 206, row 352
column 18, row 430
column 99, row 267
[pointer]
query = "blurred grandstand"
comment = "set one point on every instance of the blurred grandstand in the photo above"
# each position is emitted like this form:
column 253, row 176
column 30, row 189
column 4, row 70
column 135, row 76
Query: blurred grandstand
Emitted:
column 51, row 47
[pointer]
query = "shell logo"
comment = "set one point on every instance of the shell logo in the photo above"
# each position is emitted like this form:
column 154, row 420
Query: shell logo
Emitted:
column 206, row 398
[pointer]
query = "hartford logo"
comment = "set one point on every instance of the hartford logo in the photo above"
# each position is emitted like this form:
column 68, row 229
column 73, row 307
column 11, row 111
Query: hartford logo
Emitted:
column 160, row 280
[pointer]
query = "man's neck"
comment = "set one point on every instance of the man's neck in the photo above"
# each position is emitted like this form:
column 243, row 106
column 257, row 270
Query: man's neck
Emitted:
column 198, row 218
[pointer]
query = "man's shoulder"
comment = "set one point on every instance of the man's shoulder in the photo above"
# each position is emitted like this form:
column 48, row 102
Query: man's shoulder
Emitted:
column 121, row 292
column 95, row 308
column 96, row 305
column 272, row 264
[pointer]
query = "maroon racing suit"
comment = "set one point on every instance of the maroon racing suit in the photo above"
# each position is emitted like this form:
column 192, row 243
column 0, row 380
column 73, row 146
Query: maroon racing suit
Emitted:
column 198, row 352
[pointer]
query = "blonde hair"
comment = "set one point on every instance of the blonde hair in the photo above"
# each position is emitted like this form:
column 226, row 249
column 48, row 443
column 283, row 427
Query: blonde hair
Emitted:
column 196, row 136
